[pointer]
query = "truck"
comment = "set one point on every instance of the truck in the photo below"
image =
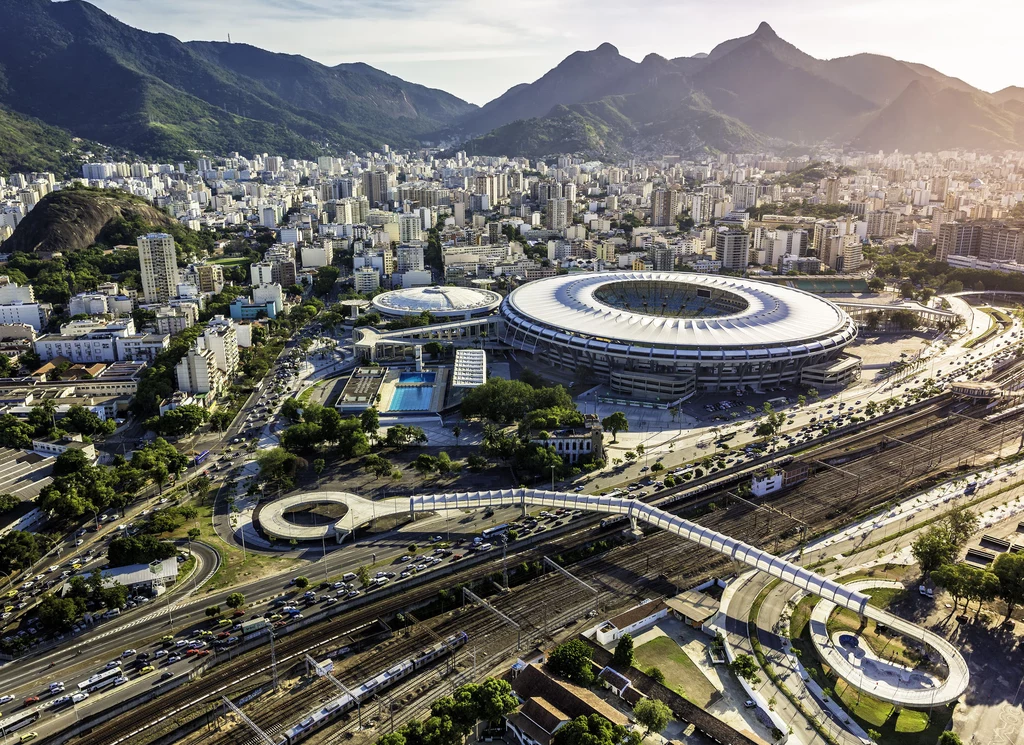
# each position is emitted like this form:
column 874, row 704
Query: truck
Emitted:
column 256, row 626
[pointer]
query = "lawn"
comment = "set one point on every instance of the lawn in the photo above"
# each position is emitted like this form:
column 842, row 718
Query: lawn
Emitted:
column 231, row 260
column 681, row 674
column 232, row 570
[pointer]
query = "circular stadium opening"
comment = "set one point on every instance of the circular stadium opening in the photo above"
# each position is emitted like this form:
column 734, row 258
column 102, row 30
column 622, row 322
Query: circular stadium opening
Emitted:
column 670, row 299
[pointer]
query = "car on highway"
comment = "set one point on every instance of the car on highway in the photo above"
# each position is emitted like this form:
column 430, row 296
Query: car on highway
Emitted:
column 120, row 680
column 6, row 699
column 146, row 670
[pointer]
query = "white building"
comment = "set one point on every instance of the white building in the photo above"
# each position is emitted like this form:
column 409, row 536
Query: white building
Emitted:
column 410, row 228
column 269, row 292
column 220, row 337
column 173, row 320
column 318, row 255
column 732, row 248
column 261, row 273
column 409, row 259
column 158, row 261
column 197, row 372
column 366, row 279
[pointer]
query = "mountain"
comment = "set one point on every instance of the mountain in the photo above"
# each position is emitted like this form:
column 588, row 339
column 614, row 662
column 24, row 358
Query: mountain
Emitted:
column 29, row 145
column 73, row 219
column 580, row 77
column 746, row 92
column 925, row 118
column 74, row 66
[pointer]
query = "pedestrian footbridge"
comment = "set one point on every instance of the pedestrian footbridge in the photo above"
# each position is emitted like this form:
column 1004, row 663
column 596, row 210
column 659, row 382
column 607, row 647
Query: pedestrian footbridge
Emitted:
column 950, row 688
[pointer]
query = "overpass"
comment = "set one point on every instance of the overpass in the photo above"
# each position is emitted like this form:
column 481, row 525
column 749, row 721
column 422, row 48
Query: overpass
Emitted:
column 949, row 690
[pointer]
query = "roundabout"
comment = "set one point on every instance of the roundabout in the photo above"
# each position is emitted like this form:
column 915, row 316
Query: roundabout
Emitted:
column 319, row 516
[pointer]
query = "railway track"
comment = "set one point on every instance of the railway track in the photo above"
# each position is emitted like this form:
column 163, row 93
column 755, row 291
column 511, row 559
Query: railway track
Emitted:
column 822, row 501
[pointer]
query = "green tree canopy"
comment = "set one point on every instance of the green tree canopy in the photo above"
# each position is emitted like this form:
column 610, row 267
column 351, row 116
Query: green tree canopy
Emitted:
column 615, row 422
column 572, row 660
column 652, row 714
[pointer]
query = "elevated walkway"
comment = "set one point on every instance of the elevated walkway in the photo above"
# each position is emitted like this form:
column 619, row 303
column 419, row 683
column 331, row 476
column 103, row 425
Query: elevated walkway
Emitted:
column 808, row 581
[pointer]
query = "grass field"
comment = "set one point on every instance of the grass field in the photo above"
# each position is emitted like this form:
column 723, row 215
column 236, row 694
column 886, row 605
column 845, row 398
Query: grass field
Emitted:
column 681, row 674
column 230, row 260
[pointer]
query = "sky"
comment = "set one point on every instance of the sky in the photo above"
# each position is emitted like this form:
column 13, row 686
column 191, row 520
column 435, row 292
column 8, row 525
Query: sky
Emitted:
column 477, row 49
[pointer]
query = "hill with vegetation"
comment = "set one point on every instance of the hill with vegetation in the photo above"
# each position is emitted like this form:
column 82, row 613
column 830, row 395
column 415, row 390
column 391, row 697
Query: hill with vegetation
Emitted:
column 74, row 219
column 27, row 144
column 73, row 66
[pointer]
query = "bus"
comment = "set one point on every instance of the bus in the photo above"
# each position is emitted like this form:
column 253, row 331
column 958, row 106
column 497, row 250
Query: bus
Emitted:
column 100, row 680
column 495, row 531
column 777, row 402
column 726, row 437
column 202, row 456
column 16, row 721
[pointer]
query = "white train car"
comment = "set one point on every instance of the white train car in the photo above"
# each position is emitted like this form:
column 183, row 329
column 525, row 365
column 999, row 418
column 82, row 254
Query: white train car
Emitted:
column 369, row 688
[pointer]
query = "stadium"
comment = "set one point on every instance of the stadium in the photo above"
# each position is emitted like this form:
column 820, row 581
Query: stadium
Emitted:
column 667, row 334
column 447, row 303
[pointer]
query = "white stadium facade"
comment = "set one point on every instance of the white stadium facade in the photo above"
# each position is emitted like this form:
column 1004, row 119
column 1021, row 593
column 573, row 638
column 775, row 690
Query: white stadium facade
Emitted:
column 441, row 302
column 654, row 335
column 668, row 333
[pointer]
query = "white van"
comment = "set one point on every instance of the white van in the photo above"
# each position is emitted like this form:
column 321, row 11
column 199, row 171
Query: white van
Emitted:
column 112, row 613
column 348, row 576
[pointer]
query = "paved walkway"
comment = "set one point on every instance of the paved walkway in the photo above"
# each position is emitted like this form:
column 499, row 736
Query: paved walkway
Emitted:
column 854, row 661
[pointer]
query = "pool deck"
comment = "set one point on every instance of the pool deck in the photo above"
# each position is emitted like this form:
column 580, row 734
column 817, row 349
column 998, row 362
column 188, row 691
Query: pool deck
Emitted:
column 391, row 385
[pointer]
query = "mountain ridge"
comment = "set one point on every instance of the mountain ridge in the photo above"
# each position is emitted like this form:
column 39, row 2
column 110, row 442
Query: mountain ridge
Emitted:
column 74, row 66
column 751, row 90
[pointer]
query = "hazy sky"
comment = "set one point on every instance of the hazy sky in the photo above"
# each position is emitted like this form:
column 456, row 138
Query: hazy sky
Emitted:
column 477, row 49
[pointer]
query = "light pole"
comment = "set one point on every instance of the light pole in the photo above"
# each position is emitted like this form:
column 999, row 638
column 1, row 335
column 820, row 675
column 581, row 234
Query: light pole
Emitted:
column 552, row 477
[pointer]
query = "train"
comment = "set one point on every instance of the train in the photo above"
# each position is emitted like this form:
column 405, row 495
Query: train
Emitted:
column 369, row 688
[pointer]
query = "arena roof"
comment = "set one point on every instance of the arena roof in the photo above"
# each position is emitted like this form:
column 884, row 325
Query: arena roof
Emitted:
column 751, row 314
column 440, row 301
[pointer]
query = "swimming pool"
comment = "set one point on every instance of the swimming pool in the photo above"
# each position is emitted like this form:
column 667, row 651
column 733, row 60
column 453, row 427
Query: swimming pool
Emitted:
column 412, row 398
column 416, row 377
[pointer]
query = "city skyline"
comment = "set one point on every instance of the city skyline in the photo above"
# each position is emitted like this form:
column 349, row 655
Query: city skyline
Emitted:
column 491, row 48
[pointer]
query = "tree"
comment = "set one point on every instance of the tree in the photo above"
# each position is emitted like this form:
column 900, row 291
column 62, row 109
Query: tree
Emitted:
column 69, row 462
column 193, row 535
column 876, row 284
column 302, row 582
column 235, row 600
column 1009, row 568
column 57, row 614
column 278, row 465
column 571, row 660
column 494, row 699
column 615, row 422
column 812, row 393
column 594, row 730
column 377, row 465
column 656, row 675
column 933, row 548
column 363, row 574
column 326, row 276
column 424, row 464
column 652, row 714
column 744, row 666
column 9, row 502
column 961, row 523
column 948, row 737
column 630, row 455
column 623, row 657
column 138, row 549
column 369, row 420
column 212, row 611
column 657, row 467
column 18, row 550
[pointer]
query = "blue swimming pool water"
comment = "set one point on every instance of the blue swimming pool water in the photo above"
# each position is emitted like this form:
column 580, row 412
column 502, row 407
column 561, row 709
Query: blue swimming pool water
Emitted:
column 416, row 377
column 411, row 399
